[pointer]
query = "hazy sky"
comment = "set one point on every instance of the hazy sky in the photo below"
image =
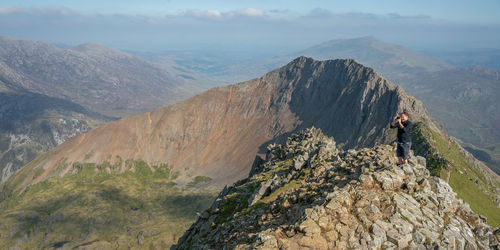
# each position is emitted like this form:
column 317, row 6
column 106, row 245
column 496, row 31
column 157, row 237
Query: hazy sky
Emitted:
column 258, row 25
column 459, row 10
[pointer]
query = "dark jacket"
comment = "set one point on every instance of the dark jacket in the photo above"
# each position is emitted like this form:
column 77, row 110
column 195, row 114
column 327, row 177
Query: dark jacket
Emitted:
column 404, row 134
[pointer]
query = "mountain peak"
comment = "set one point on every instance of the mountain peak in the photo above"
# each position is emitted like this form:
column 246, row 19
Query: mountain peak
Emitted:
column 300, row 61
column 307, row 59
column 361, row 38
column 89, row 46
column 309, row 62
column 310, row 194
column 378, row 54
column 98, row 49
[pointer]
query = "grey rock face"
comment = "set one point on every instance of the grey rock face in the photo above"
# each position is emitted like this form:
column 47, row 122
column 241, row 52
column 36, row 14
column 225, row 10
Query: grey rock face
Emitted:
column 31, row 124
column 358, row 199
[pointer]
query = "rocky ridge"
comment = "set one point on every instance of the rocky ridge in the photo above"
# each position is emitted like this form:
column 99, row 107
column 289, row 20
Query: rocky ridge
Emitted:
column 308, row 193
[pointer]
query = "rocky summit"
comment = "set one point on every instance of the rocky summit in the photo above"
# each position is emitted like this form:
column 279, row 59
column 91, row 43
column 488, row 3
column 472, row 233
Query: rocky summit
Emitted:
column 308, row 193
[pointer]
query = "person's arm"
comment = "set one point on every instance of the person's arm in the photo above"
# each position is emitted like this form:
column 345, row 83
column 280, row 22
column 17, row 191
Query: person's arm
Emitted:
column 394, row 123
column 400, row 124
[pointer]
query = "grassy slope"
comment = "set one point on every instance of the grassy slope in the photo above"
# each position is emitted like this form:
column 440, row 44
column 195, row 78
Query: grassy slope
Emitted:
column 102, row 208
column 446, row 160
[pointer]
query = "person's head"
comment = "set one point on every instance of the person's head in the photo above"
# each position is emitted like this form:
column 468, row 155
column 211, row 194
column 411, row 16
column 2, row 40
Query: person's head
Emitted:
column 405, row 116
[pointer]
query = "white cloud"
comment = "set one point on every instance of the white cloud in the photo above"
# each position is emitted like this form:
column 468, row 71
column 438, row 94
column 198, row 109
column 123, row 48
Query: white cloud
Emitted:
column 215, row 14
column 5, row 10
column 63, row 11
column 203, row 13
column 319, row 13
column 399, row 16
column 250, row 12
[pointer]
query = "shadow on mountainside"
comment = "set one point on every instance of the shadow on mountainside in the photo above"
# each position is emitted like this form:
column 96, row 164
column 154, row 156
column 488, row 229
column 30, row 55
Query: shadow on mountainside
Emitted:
column 101, row 213
column 354, row 107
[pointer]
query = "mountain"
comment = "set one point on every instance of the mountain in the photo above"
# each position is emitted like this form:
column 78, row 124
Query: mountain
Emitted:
column 218, row 132
column 392, row 60
column 126, row 181
column 310, row 194
column 462, row 99
column 31, row 124
column 388, row 58
column 96, row 77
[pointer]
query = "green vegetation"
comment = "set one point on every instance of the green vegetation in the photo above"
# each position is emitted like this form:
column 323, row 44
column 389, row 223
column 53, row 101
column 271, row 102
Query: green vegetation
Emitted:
column 198, row 180
column 445, row 159
column 427, row 143
column 102, row 206
column 237, row 203
column 480, row 202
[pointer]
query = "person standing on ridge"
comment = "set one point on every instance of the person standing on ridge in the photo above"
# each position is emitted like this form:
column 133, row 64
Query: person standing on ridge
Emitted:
column 404, row 127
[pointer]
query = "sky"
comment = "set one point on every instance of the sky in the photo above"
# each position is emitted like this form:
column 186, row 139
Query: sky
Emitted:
column 257, row 26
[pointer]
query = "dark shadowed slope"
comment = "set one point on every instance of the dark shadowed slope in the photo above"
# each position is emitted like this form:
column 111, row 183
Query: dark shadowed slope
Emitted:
column 31, row 124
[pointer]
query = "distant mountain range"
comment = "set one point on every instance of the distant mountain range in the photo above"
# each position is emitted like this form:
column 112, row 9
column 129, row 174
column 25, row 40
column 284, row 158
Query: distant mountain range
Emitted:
column 134, row 170
column 462, row 99
column 96, row 77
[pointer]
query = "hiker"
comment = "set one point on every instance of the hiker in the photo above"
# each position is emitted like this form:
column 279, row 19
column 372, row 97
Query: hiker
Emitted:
column 404, row 136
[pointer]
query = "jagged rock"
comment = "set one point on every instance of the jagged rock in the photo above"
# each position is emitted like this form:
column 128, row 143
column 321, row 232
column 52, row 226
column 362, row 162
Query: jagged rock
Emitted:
column 299, row 162
column 140, row 238
column 337, row 200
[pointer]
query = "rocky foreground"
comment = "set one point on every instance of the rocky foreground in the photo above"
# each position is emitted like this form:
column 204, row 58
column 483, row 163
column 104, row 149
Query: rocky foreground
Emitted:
column 310, row 194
